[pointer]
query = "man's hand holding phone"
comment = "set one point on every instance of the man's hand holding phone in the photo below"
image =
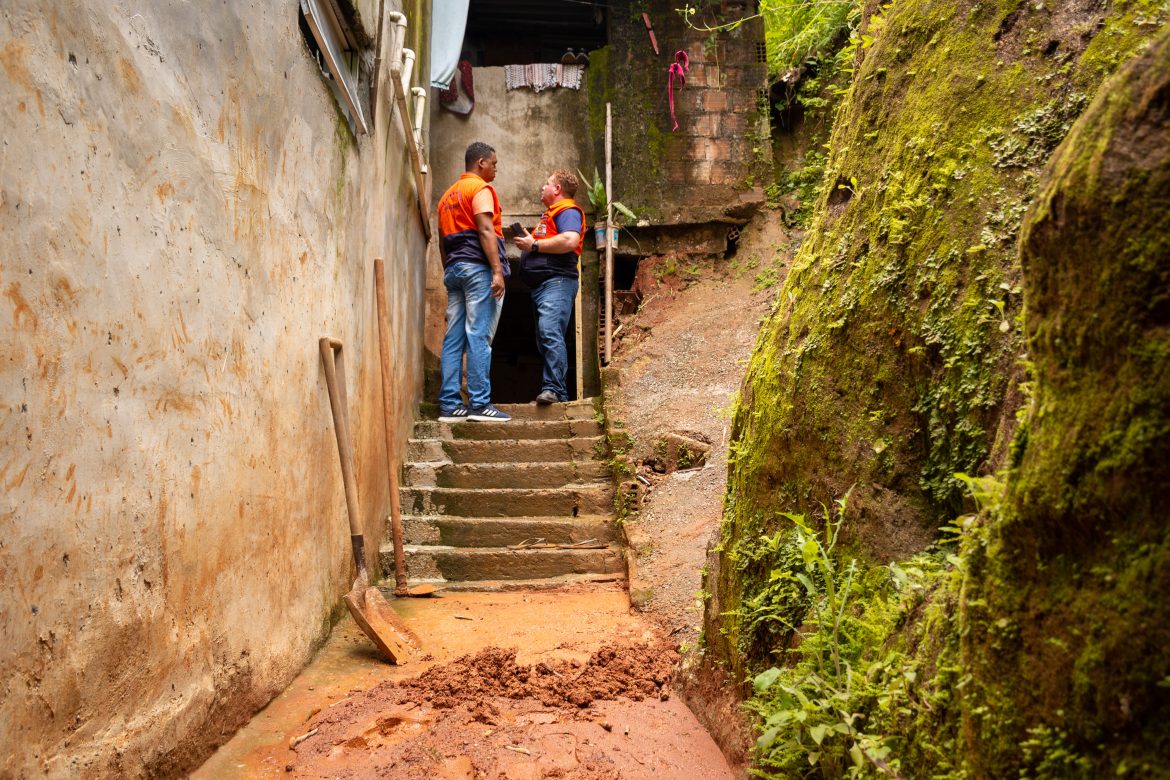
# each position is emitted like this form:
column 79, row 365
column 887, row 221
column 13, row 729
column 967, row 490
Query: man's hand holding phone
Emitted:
column 522, row 238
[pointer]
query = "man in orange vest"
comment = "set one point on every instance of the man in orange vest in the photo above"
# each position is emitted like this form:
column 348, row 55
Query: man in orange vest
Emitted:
column 549, row 267
column 471, row 244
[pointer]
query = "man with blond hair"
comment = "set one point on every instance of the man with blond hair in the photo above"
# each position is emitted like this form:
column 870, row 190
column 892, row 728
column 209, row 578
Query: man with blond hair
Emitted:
column 549, row 266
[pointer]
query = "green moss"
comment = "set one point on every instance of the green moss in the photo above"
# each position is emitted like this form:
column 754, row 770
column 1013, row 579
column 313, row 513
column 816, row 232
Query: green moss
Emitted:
column 597, row 83
column 345, row 143
column 908, row 276
column 906, row 298
column 1131, row 25
column 1080, row 554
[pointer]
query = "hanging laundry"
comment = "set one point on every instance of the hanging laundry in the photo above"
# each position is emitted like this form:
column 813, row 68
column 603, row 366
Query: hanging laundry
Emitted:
column 543, row 75
column 460, row 96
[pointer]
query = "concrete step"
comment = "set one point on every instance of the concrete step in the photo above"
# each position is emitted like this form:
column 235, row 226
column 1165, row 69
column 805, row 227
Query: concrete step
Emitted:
column 513, row 429
column 591, row 581
column 506, row 450
column 501, row 475
column 584, row 409
column 570, row 500
column 500, row 563
column 504, row 531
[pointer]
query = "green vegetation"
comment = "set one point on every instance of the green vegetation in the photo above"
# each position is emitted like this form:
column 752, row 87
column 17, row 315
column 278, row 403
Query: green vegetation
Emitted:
column 794, row 31
column 1028, row 640
column 814, row 85
column 627, row 491
column 797, row 32
column 599, row 199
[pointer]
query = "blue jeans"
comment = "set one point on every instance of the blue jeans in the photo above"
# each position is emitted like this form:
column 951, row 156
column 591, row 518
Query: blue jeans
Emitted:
column 472, row 317
column 552, row 302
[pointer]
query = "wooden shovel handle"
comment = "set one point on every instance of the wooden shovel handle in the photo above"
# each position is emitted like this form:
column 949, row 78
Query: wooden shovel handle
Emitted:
column 333, row 359
column 388, row 414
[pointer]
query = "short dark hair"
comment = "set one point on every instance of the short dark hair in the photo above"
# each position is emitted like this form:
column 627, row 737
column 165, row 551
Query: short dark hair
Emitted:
column 476, row 152
column 566, row 181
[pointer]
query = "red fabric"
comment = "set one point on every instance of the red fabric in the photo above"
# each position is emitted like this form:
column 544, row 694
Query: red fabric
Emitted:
column 463, row 73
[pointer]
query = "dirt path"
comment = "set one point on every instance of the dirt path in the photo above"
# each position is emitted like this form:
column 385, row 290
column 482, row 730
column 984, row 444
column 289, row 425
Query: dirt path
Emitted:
column 676, row 374
column 678, row 371
column 566, row 684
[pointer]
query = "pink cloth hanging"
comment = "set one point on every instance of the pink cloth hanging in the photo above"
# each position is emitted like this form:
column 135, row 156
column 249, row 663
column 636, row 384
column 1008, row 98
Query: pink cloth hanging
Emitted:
column 678, row 68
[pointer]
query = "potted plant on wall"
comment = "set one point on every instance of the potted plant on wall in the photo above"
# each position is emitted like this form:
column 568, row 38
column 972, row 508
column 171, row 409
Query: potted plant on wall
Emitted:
column 595, row 192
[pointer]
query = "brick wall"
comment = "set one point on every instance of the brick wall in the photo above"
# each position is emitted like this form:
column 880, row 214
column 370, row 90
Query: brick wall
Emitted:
column 712, row 166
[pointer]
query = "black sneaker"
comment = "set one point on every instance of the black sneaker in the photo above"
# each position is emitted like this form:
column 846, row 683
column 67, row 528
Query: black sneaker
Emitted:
column 489, row 413
column 458, row 414
column 547, row 397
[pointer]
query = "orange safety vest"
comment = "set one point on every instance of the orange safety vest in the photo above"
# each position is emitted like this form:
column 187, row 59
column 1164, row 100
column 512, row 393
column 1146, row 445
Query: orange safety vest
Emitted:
column 538, row 267
column 457, row 227
column 547, row 227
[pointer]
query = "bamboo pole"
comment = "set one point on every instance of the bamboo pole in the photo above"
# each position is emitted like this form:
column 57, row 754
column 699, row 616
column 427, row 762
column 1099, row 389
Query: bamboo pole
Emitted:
column 577, row 349
column 608, row 234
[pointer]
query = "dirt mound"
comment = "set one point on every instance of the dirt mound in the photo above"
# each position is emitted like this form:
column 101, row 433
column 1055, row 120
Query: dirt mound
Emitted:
column 485, row 715
column 634, row 671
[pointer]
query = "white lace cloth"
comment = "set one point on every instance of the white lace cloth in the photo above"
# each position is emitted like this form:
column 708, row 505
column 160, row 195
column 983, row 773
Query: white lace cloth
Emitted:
column 543, row 75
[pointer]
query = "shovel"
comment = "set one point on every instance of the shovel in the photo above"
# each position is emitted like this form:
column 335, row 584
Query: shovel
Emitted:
column 400, row 587
column 370, row 611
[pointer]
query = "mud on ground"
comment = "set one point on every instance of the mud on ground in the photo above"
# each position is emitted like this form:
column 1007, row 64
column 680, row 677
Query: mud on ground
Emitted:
column 676, row 372
column 485, row 715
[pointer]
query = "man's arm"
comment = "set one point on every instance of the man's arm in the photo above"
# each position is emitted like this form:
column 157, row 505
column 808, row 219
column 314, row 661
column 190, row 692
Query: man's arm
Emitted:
column 491, row 248
column 558, row 244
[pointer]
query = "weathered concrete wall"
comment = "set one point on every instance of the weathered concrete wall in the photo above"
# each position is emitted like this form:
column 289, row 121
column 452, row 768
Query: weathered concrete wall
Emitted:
column 533, row 133
column 183, row 213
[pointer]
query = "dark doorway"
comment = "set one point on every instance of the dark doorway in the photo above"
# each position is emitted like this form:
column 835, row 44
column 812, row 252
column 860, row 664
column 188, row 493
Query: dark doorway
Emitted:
column 516, row 363
column 517, row 32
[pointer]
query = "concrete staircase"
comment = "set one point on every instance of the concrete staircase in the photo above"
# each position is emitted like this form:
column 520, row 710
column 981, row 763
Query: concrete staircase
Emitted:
column 521, row 504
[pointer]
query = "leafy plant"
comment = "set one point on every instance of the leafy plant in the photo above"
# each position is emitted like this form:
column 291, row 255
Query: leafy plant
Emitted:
column 595, row 192
column 812, row 713
column 793, row 31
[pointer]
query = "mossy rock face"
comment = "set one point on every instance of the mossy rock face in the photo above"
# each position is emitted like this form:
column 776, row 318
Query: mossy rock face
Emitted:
column 892, row 360
column 1068, row 617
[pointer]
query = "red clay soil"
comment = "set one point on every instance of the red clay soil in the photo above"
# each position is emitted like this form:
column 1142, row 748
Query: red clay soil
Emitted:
column 486, row 716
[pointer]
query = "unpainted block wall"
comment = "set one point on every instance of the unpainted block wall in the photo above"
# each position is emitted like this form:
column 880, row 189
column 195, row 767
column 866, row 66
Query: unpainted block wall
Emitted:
column 183, row 214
